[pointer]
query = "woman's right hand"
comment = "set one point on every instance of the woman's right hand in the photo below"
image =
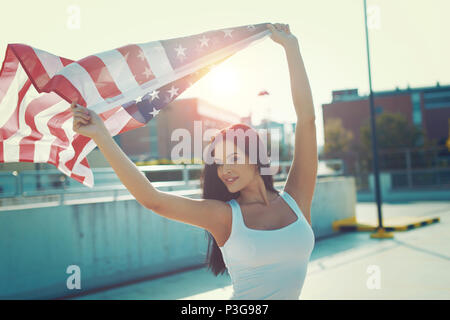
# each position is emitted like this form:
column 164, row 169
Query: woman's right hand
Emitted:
column 87, row 122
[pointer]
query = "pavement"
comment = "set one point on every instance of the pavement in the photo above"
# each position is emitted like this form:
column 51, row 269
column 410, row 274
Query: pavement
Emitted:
column 414, row 264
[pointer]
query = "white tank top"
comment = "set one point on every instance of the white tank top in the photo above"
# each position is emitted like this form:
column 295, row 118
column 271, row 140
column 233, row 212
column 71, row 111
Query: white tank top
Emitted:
column 268, row 264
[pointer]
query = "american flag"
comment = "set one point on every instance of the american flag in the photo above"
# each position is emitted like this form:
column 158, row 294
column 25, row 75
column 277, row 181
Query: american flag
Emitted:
column 126, row 86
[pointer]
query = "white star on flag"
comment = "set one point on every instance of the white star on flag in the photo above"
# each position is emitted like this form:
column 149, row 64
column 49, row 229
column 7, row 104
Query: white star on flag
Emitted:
column 204, row 41
column 147, row 72
column 173, row 92
column 141, row 55
column 228, row 33
column 154, row 94
column 180, row 50
column 154, row 112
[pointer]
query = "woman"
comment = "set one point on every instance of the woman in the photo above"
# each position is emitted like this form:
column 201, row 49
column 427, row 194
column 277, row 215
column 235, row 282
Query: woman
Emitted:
column 264, row 238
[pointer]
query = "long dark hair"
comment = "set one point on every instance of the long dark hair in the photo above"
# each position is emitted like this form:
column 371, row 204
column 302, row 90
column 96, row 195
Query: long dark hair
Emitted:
column 214, row 188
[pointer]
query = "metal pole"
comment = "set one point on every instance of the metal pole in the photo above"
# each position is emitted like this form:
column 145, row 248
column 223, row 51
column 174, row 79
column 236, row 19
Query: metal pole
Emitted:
column 374, row 133
column 408, row 167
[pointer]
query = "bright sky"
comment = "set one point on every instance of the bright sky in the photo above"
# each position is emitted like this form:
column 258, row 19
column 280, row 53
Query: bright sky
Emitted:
column 410, row 47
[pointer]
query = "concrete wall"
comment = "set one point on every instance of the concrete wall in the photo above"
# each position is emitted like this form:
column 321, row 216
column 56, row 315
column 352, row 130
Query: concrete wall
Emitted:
column 391, row 195
column 334, row 199
column 118, row 241
column 111, row 242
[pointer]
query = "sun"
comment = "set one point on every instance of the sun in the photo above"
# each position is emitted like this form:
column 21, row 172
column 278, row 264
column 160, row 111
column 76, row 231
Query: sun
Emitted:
column 224, row 80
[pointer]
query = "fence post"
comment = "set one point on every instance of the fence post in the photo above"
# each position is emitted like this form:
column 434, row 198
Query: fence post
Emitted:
column 436, row 165
column 18, row 184
column 408, row 167
column 185, row 175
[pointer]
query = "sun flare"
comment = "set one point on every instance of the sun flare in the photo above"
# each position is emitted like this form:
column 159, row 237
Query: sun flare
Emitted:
column 224, row 80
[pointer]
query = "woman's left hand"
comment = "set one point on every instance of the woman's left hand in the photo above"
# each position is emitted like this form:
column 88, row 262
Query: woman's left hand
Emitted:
column 282, row 34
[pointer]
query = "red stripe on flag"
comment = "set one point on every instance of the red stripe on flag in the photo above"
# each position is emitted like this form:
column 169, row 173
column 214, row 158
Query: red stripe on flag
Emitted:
column 41, row 103
column 106, row 114
column 61, row 142
column 78, row 144
column 84, row 162
column 32, row 65
column 131, row 124
column 26, row 152
column 65, row 61
column 54, row 155
column 77, row 177
column 12, row 125
column 65, row 89
column 139, row 67
column 99, row 73
column 8, row 71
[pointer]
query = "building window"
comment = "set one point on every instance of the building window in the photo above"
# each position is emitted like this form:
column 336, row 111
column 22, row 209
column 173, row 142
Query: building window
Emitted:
column 417, row 112
column 434, row 100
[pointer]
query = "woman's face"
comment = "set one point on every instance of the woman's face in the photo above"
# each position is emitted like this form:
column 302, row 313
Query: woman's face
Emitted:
column 233, row 163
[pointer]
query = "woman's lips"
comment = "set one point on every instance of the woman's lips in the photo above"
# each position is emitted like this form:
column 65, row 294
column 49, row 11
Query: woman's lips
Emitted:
column 232, row 181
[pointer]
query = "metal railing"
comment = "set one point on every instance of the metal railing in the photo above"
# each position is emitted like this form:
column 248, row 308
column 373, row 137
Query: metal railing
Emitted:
column 410, row 168
column 54, row 182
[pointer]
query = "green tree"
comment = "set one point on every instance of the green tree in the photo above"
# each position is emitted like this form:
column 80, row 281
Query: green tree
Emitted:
column 337, row 138
column 393, row 132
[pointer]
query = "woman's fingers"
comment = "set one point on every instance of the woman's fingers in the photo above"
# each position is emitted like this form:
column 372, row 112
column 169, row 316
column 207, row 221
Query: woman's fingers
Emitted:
column 79, row 111
column 77, row 120
column 75, row 108
column 282, row 27
column 82, row 115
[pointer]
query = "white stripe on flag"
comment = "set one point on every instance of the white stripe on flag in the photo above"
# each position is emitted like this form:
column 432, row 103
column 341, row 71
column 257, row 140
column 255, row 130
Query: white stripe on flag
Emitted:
column 119, row 69
column 51, row 63
column 43, row 146
column 67, row 154
column 9, row 102
column 12, row 144
column 84, row 171
column 81, row 80
column 161, row 68
column 157, row 58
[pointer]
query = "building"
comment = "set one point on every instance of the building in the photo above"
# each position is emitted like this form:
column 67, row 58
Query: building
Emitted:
column 154, row 141
column 428, row 108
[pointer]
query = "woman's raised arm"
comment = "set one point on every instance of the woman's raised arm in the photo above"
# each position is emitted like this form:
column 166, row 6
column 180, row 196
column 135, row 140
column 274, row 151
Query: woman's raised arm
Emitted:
column 204, row 213
column 301, row 180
